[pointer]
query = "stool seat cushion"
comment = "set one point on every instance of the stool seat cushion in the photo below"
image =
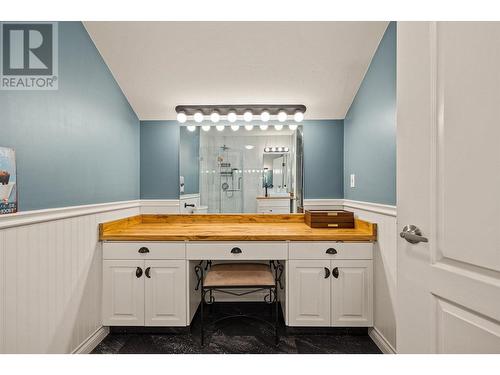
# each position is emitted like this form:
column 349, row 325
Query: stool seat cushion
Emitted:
column 239, row 275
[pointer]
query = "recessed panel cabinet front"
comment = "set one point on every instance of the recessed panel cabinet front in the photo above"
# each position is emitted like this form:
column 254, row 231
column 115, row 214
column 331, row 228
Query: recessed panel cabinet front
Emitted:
column 165, row 293
column 123, row 293
column 309, row 293
column 337, row 293
column 352, row 293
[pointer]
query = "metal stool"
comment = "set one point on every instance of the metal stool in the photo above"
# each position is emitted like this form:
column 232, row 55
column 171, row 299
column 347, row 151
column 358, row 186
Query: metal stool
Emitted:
column 254, row 276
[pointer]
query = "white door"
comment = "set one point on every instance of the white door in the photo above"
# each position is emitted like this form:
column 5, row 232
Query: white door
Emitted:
column 352, row 295
column 123, row 293
column 165, row 300
column 448, row 134
column 309, row 293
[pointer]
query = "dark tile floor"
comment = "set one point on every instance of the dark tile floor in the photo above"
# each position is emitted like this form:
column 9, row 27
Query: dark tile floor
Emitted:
column 239, row 336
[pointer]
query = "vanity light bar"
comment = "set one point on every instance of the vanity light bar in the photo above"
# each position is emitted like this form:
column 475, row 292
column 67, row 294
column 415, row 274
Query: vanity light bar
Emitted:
column 246, row 112
column 276, row 149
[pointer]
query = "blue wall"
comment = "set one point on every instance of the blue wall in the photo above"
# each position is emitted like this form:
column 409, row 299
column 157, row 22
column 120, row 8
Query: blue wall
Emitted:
column 323, row 159
column 370, row 129
column 77, row 145
column 160, row 159
column 190, row 159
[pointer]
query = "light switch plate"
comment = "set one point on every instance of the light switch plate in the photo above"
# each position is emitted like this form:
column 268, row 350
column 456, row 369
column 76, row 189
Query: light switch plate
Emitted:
column 353, row 180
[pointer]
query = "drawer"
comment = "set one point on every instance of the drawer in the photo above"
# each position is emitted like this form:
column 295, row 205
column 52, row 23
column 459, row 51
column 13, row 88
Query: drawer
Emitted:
column 274, row 210
column 273, row 202
column 250, row 250
column 342, row 250
column 155, row 250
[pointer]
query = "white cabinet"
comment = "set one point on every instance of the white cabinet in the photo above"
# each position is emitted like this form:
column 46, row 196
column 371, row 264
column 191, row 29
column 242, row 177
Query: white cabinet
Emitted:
column 273, row 205
column 329, row 291
column 352, row 294
column 165, row 293
column 144, row 292
column 309, row 293
column 123, row 293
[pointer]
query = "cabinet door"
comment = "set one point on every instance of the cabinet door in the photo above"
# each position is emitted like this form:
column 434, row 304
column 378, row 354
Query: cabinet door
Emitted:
column 123, row 293
column 309, row 293
column 165, row 301
column 352, row 293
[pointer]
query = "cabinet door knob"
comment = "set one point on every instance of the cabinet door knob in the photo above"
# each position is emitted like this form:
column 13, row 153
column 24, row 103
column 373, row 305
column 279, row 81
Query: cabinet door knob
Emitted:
column 138, row 272
column 327, row 273
column 335, row 272
column 143, row 250
column 147, row 272
column 331, row 250
column 236, row 250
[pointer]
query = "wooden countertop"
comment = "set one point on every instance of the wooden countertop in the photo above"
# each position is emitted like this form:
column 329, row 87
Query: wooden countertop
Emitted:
column 235, row 227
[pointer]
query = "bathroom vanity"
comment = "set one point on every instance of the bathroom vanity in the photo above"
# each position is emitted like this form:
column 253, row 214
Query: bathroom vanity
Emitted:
column 149, row 260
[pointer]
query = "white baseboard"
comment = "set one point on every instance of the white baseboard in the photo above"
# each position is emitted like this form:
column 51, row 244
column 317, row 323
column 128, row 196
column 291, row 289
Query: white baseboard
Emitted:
column 88, row 345
column 380, row 341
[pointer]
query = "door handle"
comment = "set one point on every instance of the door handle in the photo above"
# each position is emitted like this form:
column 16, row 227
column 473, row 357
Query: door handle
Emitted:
column 327, row 273
column 143, row 250
column 331, row 250
column 412, row 234
column 335, row 272
column 236, row 250
column 138, row 272
column 148, row 272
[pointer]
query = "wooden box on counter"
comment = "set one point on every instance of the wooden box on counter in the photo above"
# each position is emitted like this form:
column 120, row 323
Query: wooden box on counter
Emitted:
column 329, row 218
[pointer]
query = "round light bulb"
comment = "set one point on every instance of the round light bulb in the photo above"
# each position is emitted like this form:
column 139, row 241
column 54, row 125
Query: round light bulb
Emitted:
column 278, row 127
column 273, row 149
column 182, row 117
column 298, row 116
column 231, row 116
column 263, row 127
column 205, row 128
column 286, row 149
column 248, row 127
column 198, row 116
column 293, row 126
column 214, row 116
column 267, row 149
column 265, row 116
column 235, row 127
column 219, row 127
column 248, row 116
column 282, row 116
column 191, row 128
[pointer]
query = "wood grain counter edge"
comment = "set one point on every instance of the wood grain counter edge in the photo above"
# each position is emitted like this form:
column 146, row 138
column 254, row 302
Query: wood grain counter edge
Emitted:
column 229, row 227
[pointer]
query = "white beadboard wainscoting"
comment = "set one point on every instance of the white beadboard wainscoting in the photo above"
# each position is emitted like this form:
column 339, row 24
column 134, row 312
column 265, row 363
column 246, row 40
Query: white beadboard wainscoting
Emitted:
column 51, row 278
column 384, row 263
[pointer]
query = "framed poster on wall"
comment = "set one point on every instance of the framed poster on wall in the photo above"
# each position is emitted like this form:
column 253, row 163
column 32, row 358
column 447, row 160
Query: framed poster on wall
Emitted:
column 8, row 178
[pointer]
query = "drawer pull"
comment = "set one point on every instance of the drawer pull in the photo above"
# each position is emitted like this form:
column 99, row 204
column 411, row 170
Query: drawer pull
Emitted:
column 335, row 272
column 147, row 272
column 138, row 272
column 333, row 225
column 143, row 250
column 327, row 273
column 331, row 251
column 236, row 250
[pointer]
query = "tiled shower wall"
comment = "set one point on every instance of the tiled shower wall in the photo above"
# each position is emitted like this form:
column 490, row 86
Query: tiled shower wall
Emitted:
column 248, row 162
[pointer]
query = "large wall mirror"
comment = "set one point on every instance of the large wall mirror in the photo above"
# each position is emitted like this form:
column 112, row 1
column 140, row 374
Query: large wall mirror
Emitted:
column 241, row 171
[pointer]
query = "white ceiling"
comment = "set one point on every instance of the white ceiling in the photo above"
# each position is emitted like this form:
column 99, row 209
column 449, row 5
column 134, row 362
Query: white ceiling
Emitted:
column 160, row 65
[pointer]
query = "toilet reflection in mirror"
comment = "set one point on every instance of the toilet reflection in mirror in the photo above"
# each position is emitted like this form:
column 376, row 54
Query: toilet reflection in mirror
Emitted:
column 239, row 170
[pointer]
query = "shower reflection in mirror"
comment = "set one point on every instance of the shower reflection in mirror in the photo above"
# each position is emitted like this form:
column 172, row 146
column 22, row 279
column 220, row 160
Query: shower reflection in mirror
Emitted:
column 230, row 171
